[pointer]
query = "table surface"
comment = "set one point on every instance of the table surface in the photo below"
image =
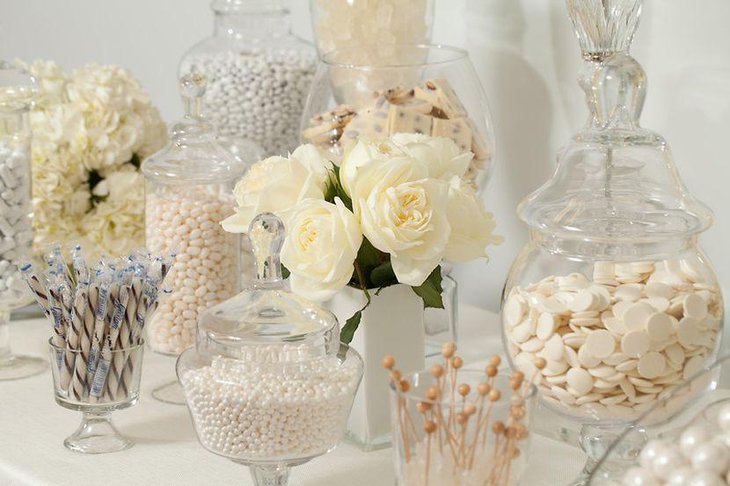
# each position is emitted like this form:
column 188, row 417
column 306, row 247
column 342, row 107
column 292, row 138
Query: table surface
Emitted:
column 166, row 451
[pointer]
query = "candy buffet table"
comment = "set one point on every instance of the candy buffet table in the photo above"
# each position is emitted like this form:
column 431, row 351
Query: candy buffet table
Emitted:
column 32, row 429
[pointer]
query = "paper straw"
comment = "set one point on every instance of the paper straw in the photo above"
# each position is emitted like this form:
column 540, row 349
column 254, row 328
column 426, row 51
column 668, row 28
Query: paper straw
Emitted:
column 78, row 323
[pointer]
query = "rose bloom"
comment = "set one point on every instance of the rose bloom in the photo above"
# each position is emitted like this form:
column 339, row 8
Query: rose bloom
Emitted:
column 404, row 213
column 277, row 184
column 320, row 248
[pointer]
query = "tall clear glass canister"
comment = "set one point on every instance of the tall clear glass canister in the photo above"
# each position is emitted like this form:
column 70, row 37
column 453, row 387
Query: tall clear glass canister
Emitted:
column 188, row 192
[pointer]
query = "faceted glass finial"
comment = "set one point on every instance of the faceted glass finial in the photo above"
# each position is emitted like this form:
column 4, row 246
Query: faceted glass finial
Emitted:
column 604, row 27
column 616, row 191
column 267, row 233
column 192, row 89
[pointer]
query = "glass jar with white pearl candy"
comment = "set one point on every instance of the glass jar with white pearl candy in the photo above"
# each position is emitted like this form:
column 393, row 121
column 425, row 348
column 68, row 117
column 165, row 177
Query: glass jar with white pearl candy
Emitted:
column 612, row 289
column 268, row 384
column 17, row 91
column 259, row 73
column 188, row 192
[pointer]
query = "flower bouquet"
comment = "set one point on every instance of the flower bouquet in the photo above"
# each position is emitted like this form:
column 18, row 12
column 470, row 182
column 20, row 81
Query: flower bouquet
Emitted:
column 91, row 130
column 390, row 213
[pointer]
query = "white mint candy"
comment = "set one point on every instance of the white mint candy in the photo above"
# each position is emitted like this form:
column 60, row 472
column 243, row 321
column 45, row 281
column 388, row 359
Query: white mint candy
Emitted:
column 600, row 343
column 628, row 292
column 584, row 301
column 635, row 343
column 688, row 331
column 580, row 380
column 554, row 349
column 660, row 327
column 658, row 289
column 651, row 365
column 546, row 324
column 637, row 315
column 586, row 358
column 514, row 310
column 695, row 307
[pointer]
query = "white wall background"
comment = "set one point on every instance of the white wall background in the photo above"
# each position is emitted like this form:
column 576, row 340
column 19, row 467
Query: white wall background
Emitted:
column 524, row 51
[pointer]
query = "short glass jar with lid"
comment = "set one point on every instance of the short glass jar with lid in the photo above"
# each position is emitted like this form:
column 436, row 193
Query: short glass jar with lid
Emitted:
column 258, row 73
column 612, row 290
column 268, row 384
column 188, row 191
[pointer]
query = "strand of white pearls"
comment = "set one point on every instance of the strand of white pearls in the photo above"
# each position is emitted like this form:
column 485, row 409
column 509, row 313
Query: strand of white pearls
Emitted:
column 271, row 411
column 700, row 456
column 16, row 232
column 257, row 95
column 185, row 222
column 615, row 344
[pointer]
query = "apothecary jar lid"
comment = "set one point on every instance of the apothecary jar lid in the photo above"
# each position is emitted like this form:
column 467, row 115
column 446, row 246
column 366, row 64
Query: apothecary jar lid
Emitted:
column 615, row 183
column 266, row 322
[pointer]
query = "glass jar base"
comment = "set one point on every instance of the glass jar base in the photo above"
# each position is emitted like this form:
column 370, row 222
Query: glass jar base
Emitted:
column 15, row 367
column 171, row 393
column 97, row 435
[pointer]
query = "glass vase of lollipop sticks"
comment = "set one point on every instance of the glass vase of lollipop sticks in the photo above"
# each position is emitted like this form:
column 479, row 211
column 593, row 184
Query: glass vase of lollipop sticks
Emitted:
column 455, row 427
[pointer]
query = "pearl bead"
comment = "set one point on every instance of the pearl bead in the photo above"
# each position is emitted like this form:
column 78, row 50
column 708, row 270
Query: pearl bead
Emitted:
column 679, row 476
column 691, row 438
column 173, row 329
column 710, row 457
column 666, row 461
column 650, row 452
column 723, row 418
column 704, row 478
column 637, row 476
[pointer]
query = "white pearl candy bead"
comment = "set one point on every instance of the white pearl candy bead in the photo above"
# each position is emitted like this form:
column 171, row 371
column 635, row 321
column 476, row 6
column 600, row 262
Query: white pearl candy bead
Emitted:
column 266, row 411
column 205, row 270
column 257, row 95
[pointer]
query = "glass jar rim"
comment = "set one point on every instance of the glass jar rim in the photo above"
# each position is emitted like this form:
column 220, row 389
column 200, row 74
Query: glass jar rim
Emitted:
column 123, row 350
column 454, row 54
column 411, row 396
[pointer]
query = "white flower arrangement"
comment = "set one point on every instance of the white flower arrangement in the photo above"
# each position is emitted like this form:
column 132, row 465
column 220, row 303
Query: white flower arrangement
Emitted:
column 91, row 129
column 390, row 213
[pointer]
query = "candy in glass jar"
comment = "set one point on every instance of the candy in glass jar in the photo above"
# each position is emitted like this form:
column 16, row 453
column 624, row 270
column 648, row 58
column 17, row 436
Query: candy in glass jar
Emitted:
column 188, row 192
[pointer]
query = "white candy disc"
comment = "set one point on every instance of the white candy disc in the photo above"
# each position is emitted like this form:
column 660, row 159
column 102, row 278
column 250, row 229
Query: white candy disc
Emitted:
column 600, row 343
column 580, row 380
column 635, row 343
column 659, row 327
column 651, row 365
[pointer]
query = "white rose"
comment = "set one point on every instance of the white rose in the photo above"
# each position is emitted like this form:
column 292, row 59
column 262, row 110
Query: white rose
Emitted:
column 472, row 226
column 320, row 248
column 314, row 159
column 404, row 214
column 442, row 156
column 273, row 185
column 361, row 154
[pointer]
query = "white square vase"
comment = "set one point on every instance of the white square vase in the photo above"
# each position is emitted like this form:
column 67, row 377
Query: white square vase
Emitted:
column 393, row 325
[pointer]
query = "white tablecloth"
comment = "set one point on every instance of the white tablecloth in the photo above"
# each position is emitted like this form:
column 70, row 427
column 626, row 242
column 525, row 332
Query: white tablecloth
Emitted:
column 32, row 429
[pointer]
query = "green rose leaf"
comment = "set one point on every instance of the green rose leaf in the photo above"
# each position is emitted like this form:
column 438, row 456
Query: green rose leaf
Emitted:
column 430, row 291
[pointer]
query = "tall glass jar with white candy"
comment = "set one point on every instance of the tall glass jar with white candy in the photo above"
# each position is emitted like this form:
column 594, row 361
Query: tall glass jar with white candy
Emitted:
column 17, row 89
column 268, row 384
column 258, row 72
column 612, row 289
column 188, row 191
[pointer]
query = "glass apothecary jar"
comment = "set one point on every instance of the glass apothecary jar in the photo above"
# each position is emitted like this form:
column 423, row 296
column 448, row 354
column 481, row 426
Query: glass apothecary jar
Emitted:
column 269, row 385
column 258, row 73
column 188, row 192
column 612, row 288
column 17, row 92
column 385, row 24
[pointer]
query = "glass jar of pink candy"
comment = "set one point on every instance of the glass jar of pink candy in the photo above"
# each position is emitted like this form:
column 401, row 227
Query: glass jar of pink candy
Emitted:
column 612, row 289
column 188, row 192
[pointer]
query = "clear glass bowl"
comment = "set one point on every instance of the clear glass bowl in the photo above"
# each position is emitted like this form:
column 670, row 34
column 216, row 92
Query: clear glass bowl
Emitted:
column 115, row 387
column 268, row 384
column 382, row 23
column 426, row 89
column 474, row 455
column 660, row 447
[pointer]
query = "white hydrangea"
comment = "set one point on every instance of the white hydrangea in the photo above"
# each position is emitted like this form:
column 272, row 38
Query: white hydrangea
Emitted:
column 93, row 121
